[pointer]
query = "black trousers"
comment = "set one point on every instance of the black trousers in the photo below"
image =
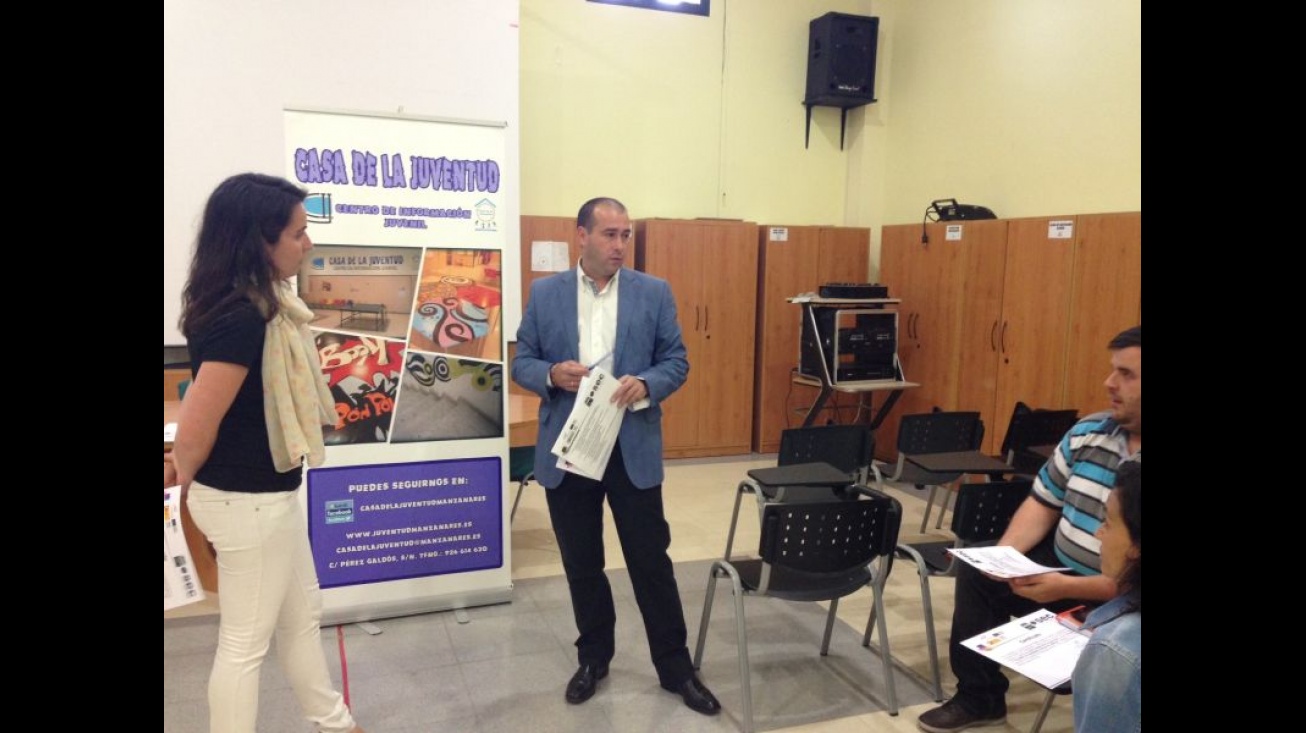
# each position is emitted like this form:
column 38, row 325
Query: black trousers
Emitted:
column 576, row 510
column 981, row 604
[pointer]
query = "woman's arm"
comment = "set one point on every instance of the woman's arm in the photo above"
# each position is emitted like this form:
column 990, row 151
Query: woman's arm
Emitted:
column 206, row 403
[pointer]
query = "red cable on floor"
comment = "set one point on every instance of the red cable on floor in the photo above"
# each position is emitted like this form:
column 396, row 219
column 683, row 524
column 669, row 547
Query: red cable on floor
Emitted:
column 344, row 666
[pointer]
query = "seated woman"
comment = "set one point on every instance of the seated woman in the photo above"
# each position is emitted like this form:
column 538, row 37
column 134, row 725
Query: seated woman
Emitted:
column 1108, row 679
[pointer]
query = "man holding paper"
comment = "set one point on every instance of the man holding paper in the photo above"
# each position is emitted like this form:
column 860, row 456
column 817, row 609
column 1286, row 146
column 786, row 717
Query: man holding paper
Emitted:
column 1055, row 526
column 620, row 323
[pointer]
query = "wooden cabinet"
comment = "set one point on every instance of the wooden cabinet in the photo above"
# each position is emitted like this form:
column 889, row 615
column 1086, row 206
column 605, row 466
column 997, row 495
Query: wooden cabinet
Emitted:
column 712, row 268
column 951, row 293
column 793, row 260
column 1010, row 310
column 1106, row 298
column 546, row 229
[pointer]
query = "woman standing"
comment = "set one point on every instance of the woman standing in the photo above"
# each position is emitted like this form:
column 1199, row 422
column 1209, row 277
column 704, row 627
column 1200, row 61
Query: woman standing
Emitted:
column 1108, row 679
column 254, row 411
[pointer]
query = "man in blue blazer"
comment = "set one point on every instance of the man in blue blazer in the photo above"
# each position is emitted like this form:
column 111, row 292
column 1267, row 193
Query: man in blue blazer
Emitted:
column 601, row 314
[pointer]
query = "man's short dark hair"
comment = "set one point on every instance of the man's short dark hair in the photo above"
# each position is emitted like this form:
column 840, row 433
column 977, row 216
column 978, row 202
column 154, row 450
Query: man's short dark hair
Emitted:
column 585, row 217
column 1127, row 338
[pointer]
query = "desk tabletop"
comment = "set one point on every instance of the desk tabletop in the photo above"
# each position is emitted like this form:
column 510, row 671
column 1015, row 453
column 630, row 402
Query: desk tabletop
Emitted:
column 1042, row 450
column 966, row 461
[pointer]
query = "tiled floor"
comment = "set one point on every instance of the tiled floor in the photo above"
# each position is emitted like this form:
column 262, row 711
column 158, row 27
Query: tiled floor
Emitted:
column 504, row 668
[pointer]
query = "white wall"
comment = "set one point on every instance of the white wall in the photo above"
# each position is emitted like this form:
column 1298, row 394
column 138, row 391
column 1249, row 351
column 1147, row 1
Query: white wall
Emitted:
column 1029, row 107
column 230, row 69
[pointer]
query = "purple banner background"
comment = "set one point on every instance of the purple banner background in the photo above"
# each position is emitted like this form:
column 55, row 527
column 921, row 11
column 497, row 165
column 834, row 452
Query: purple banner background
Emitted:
column 369, row 524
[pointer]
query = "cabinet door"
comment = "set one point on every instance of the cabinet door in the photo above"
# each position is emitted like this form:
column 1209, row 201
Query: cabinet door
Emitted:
column 982, row 265
column 844, row 255
column 927, row 279
column 547, row 229
column 1106, row 298
column 724, row 363
column 1035, row 317
column 673, row 251
column 787, row 268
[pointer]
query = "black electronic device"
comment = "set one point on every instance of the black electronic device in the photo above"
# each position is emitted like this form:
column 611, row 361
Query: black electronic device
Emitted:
column 950, row 210
column 854, row 290
column 849, row 344
column 841, row 60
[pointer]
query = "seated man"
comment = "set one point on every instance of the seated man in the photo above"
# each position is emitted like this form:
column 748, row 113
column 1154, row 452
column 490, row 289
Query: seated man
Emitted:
column 1055, row 526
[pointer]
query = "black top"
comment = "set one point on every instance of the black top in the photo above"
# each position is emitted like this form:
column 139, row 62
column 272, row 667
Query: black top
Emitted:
column 241, row 459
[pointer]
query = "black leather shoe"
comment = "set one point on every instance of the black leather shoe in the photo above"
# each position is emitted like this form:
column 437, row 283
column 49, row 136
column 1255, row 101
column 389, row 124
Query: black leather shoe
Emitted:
column 585, row 682
column 697, row 697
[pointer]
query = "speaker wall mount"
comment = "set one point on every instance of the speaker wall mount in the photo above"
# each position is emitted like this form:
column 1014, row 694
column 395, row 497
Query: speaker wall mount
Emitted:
column 840, row 65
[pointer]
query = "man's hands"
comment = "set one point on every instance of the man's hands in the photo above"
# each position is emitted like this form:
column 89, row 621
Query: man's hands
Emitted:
column 1043, row 588
column 632, row 390
column 566, row 375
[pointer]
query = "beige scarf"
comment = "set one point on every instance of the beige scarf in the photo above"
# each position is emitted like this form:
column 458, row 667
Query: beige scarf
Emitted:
column 296, row 401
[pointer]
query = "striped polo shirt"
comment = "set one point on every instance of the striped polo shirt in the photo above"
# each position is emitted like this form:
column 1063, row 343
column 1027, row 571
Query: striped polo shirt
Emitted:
column 1076, row 481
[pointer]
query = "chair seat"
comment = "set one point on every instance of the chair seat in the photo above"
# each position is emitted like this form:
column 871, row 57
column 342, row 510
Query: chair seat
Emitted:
column 791, row 585
column 913, row 474
column 935, row 554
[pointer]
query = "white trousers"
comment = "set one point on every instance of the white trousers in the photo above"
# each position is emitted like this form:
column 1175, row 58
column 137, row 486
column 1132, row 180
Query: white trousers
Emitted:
column 266, row 584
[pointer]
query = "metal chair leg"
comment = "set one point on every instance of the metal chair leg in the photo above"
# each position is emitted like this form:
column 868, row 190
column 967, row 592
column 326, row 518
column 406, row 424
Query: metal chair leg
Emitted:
column 707, row 613
column 521, row 486
column 1043, row 712
column 829, row 627
column 886, row 657
column 929, row 505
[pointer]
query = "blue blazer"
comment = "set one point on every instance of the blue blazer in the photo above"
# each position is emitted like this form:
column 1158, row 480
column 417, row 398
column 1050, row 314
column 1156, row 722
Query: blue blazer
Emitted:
column 648, row 346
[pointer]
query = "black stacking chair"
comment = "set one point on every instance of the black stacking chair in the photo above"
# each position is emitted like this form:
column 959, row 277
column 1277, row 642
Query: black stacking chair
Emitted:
column 812, row 551
column 931, row 432
column 849, row 448
column 1030, row 428
column 982, row 514
column 521, row 464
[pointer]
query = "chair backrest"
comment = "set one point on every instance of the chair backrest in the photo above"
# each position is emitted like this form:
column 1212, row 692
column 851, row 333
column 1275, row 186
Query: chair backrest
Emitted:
column 984, row 510
column 830, row 536
column 940, row 432
column 1029, row 427
column 849, row 448
column 521, row 461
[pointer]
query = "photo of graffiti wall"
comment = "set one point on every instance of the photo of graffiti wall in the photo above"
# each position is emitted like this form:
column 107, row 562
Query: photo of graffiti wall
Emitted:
column 363, row 373
column 447, row 398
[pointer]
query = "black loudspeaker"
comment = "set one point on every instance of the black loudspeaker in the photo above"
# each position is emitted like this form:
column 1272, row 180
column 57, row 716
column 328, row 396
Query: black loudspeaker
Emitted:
column 841, row 60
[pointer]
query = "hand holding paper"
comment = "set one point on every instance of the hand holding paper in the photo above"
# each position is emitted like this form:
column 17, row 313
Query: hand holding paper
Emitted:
column 1003, row 562
column 585, row 443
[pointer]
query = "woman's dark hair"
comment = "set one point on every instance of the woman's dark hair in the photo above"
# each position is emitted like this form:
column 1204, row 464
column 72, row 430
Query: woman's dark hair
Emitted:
column 244, row 215
column 1129, row 493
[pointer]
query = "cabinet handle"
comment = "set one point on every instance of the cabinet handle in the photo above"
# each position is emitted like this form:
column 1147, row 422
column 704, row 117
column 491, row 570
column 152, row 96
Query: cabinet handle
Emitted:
column 916, row 325
column 1004, row 337
column 695, row 318
column 993, row 336
column 707, row 318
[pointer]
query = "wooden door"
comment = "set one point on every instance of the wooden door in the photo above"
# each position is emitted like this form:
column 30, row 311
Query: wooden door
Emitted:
column 1106, row 298
column 927, row 278
column 724, row 363
column 1035, row 316
column 787, row 268
column 672, row 250
column 982, row 263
